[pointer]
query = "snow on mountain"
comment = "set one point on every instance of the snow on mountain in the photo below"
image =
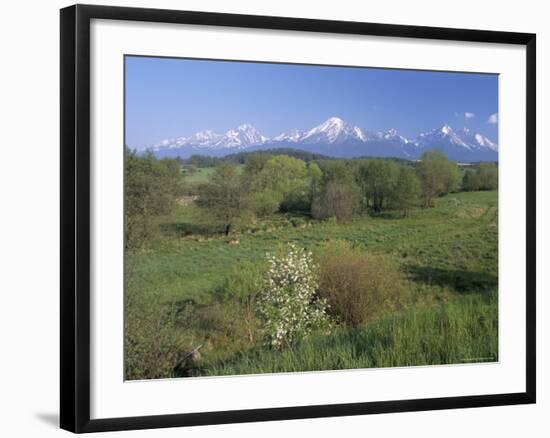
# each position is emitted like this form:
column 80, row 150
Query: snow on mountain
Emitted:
column 461, row 145
column 442, row 136
column 242, row 137
column 337, row 138
column 208, row 141
column 485, row 142
column 202, row 138
column 334, row 130
column 292, row 136
column 478, row 140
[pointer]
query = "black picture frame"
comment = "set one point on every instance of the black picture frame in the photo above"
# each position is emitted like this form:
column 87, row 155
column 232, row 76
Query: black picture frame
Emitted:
column 75, row 217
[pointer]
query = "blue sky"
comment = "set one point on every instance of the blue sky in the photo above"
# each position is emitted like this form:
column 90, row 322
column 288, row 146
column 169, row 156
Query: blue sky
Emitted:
column 170, row 97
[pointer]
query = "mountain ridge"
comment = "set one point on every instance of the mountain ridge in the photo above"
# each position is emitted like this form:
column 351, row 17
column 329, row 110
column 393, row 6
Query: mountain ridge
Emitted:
column 337, row 138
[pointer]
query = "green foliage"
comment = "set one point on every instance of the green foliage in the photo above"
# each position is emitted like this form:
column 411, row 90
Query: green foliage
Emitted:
column 151, row 187
column 438, row 176
column 406, row 193
column 378, row 178
column 203, row 161
column 358, row 286
column 277, row 183
column 287, row 304
column 254, row 165
column 243, row 157
column 284, row 175
column 265, row 202
column 338, row 200
column 315, row 179
column 340, row 171
column 470, row 181
column 485, row 177
column 336, row 193
column 152, row 344
column 488, row 176
column 224, row 196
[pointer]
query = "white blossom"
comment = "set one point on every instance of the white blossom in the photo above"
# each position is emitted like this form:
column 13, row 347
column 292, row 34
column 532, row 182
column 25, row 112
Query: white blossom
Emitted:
column 287, row 304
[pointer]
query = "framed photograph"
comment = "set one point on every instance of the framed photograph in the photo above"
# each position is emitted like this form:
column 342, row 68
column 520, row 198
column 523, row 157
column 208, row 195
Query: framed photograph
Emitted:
column 267, row 218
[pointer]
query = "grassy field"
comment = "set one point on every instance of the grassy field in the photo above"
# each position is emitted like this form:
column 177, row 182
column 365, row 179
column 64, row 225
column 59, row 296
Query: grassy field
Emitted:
column 199, row 175
column 449, row 255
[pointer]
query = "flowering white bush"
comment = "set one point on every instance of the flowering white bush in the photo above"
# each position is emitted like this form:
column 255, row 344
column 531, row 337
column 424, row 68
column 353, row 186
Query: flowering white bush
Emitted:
column 287, row 303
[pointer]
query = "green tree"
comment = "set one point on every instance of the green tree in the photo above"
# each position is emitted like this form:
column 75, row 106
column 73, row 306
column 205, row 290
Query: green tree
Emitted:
column 315, row 179
column 338, row 194
column 224, row 196
column 286, row 178
column 488, row 176
column 252, row 169
column 378, row 181
column 470, row 181
column 151, row 188
column 284, row 175
column 336, row 199
column 336, row 170
column 438, row 176
column 407, row 190
column 485, row 177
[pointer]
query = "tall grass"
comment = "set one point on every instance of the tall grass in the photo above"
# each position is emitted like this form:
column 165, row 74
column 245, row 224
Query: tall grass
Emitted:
column 463, row 331
column 183, row 293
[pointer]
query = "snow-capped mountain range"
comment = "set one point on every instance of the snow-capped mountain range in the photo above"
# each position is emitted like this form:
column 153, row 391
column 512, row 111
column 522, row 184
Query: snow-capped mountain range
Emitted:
column 335, row 138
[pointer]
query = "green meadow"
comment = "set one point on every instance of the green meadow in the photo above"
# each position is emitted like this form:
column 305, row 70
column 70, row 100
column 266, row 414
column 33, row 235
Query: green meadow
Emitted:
column 191, row 290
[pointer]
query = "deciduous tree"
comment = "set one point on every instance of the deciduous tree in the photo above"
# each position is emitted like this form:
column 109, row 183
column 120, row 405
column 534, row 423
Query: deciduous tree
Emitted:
column 407, row 190
column 224, row 196
column 438, row 176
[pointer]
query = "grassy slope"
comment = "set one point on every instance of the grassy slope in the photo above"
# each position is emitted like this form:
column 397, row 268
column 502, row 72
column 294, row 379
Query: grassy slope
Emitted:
column 460, row 332
column 449, row 253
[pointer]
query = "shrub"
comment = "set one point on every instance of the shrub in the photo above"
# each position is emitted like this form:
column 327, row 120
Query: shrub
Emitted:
column 287, row 304
column 358, row 286
column 152, row 344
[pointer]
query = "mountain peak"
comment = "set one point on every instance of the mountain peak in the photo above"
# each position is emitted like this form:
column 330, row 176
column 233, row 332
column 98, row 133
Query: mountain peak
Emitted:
column 292, row 136
column 246, row 127
column 335, row 137
column 334, row 130
column 335, row 121
column 332, row 123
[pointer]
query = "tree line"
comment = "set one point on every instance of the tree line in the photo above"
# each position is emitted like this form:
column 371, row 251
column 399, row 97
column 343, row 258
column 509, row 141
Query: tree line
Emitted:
column 333, row 188
column 266, row 184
